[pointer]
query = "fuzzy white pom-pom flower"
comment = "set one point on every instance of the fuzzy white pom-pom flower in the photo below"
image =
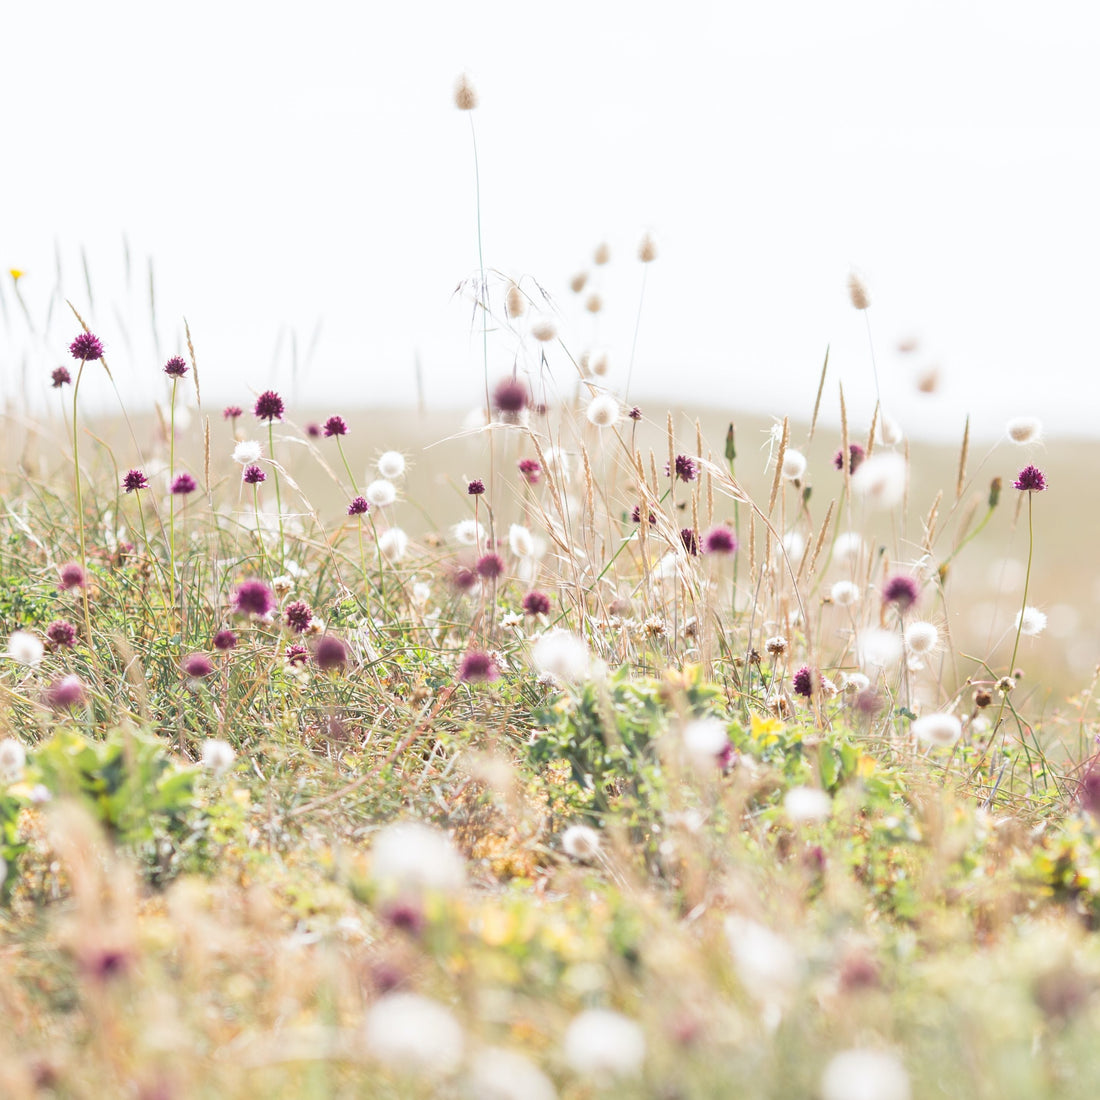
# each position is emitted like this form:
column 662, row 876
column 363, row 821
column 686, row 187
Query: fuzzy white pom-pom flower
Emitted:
column 602, row 1043
column 413, row 1034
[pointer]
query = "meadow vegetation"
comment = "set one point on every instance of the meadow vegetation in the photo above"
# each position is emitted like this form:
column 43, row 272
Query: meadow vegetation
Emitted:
column 622, row 754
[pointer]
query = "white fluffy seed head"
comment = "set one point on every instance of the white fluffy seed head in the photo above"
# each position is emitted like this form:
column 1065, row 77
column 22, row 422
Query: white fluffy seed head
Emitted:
column 865, row 1075
column 794, row 464
column 766, row 963
column 921, row 637
column 544, row 330
column 413, row 1034
column 13, row 758
column 413, row 859
column 246, row 452
column 25, row 648
column 581, row 842
column 844, row 593
column 602, row 1043
column 563, row 655
column 705, row 739
column 500, row 1074
column 520, row 541
column 381, row 493
column 877, row 648
column 1024, row 429
column 391, row 464
column 794, row 545
column 889, row 431
column 1030, row 621
column 603, row 410
column 937, row 729
column 393, row 544
column 880, row 480
column 807, row 805
column 849, row 547
column 217, row 756
column 468, row 532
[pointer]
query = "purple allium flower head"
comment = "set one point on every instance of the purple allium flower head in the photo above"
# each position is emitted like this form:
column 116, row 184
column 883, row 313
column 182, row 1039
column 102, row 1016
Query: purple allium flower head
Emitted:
column 804, row 682
column 405, row 915
column 1088, row 793
column 902, row 591
column 184, row 484
column 856, row 455
column 66, row 692
column 296, row 655
column 134, row 480
column 313, row 430
column 477, row 667
column 269, row 406
column 720, row 540
column 1031, row 480
column 61, row 377
column 86, row 347
column 868, row 703
column 490, row 566
column 231, row 412
column 62, row 633
column 530, row 469
column 72, row 576
column 335, row 425
column 225, row 640
column 197, row 665
column 330, row 654
column 685, row 468
column 536, row 603
column 253, row 598
column 298, row 616
column 176, row 367
column 476, row 487
column 253, row 475
column 359, row 506
column 690, row 541
column 510, row 396
column 635, row 413
column 464, row 579
column 636, row 515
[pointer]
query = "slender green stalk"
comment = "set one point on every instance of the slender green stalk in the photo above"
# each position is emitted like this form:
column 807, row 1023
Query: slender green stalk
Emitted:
column 172, row 499
column 80, row 509
column 344, row 459
column 278, row 494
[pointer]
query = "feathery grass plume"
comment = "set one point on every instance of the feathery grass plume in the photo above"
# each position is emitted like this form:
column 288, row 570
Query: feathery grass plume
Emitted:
column 784, row 439
column 857, row 292
column 820, row 391
column 821, row 535
column 515, row 304
column 964, row 451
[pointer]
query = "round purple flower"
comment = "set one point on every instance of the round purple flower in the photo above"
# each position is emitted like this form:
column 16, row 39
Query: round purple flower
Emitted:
column 530, row 469
column 477, row 667
column 176, row 367
column 685, row 468
column 536, row 603
column 359, row 506
column 635, row 413
column 720, row 540
column 510, row 396
column 253, row 598
column 1088, row 792
column 1031, row 480
column 490, row 566
column 65, row 693
column 61, row 377
column 134, row 480
column 335, row 425
column 902, row 591
column 72, row 576
column 225, row 640
column 690, row 541
column 804, row 682
column 253, row 475
column 330, row 654
column 184, row 484
column 464, row 579
column 476, row 487
column 313, row 430
column 197, row 665
column 231, row 412
column 856, row 455
column 62, row 633
column 636, row 515
column 269, row 406
column 86, row 347
column 298, row 616
column 296, row 655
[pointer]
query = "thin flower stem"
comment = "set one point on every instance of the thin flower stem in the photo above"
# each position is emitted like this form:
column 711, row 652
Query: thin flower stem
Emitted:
column 278, row 495
column 344, row 459
column 80, row 510
column 634, row 342
column 172, row 500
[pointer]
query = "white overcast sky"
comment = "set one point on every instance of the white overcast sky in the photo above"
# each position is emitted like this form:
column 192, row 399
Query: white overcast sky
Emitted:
column 290, row 164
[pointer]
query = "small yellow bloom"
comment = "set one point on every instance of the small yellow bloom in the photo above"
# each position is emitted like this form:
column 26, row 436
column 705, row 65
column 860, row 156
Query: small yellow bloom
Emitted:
column 16, row 274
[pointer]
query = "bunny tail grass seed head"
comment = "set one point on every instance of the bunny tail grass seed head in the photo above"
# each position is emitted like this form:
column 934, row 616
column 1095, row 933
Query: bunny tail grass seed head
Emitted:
column 391, row 465
column 514, row 302
column 465, row 94
column 857, row 292
column 1030, row 621
column 581, row 842
column 603, row 410
column 544, row 330
column 921, row 637
column 865, row 1075
column 794, row 464
column 1024, row 429
column 411, row 1034
column 381, row 493
column 647, row 250
column 937, row 729
column 881, row 479
column 601, row 1043
column 393, row 544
